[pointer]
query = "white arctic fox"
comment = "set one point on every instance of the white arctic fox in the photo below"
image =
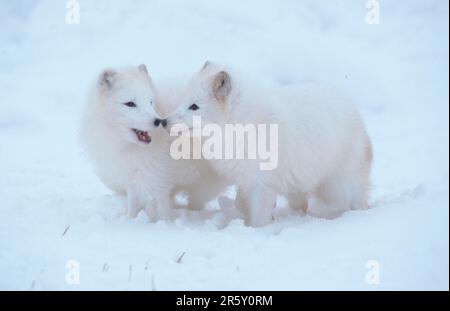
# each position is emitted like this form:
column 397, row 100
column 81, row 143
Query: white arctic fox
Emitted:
column 324, row 150
column 123, row 135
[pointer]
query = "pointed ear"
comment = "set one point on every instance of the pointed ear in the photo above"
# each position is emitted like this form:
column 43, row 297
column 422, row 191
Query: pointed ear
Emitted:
column 108, row 78
column 221, row 85
column 142, row 68
column 206, row 65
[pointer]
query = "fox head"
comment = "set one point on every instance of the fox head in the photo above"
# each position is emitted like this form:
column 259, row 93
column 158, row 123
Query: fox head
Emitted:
column 208, row 96
column 128, row 98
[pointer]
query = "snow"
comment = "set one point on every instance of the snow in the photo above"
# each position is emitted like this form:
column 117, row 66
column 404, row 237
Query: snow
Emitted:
column 53, row 209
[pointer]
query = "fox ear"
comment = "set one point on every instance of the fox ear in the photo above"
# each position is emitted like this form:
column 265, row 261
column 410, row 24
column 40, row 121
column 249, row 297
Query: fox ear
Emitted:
column 221, row 85
column 206, row 65
column 107, row 78
column 142, row 68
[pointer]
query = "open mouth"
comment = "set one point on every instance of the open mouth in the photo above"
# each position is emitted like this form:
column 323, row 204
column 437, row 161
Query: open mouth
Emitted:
column 143, row 136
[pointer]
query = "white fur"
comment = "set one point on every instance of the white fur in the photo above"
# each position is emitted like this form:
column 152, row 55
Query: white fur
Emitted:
column 144, row 172
column 324, row 150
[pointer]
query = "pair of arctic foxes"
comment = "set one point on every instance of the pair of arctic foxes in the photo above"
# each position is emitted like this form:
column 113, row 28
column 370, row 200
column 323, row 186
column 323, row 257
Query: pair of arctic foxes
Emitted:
column 324, row 150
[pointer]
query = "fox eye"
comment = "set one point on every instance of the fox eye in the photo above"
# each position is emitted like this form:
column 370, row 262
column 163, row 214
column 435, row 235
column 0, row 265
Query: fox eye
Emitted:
column 130, row 104
column 194, row 107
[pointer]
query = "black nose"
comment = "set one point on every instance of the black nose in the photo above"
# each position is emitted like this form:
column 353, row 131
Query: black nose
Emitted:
column 159, row 121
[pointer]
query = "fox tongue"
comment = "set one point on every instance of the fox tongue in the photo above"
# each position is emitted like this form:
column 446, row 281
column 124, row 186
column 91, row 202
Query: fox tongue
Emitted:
column 143, row 136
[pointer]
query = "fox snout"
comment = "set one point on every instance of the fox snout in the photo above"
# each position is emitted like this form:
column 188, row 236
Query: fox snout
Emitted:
column 158, row 122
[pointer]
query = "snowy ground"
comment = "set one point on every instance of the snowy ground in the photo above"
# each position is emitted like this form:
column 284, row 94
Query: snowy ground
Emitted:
column 397, row 72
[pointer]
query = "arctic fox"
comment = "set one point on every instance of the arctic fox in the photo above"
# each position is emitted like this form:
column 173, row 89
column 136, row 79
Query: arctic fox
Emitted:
column 324, row 150
column 123, row 136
